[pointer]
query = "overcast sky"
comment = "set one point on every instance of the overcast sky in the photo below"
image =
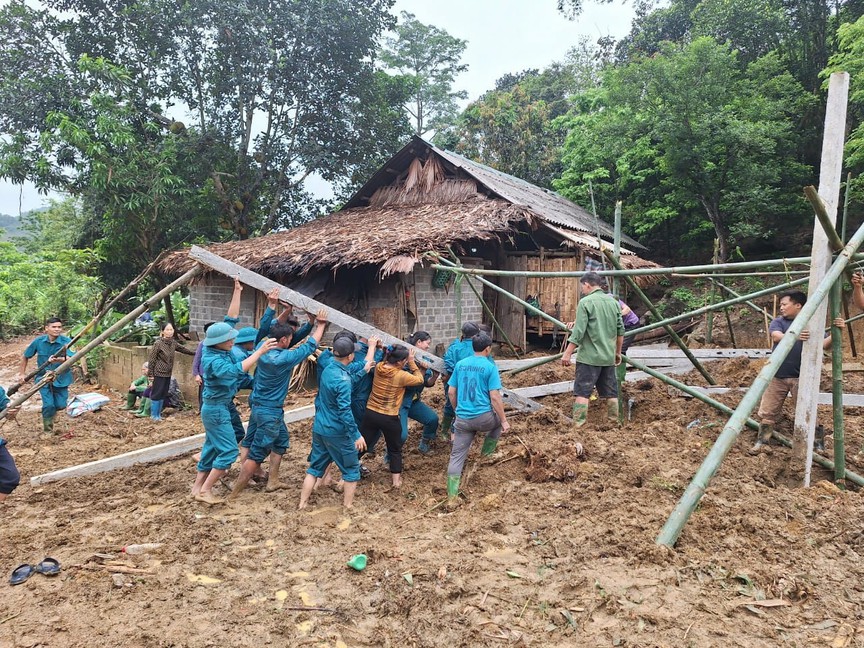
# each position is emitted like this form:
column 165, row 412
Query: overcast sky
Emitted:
column 503, row 36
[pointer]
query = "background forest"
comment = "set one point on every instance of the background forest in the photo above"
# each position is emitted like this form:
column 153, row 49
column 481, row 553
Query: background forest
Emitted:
column 167, row 123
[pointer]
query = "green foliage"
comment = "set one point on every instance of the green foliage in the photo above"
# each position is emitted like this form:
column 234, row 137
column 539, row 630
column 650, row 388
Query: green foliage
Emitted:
column 850, row 58
column 702, row 158
column 512, row 128
column 52, row 284
column 54, row 229
column 428, row 58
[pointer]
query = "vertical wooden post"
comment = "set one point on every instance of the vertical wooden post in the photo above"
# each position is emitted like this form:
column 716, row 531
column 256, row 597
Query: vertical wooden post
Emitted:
column 829, row 191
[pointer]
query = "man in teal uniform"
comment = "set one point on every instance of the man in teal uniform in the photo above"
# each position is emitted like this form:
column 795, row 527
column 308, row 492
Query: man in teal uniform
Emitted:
column 335, row 435
column 599, row 334
column 475, row 391
column 49, row 348
column 267, row 434
column 221, row 371
column 9, row 475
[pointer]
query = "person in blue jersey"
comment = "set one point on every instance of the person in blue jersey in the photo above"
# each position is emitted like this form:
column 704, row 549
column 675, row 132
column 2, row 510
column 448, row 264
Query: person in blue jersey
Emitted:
column 9, row 475
column 267, row 434
column 221, row 371
column 475, row 391
column 51, row 350
column 458, row 349
column 336, row 437
column 412, row 406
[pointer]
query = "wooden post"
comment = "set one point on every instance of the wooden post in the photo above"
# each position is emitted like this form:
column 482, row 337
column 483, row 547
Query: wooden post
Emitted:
column 310, row 305
column 829, row 191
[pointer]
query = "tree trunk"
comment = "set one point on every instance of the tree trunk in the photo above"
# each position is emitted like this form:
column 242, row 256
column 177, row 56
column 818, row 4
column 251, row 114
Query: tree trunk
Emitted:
column 712, row 209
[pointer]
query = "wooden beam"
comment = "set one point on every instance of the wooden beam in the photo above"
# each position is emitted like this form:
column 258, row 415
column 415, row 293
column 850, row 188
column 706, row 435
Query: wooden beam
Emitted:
column 830, row 175
column 150, row 454
column 340, row 319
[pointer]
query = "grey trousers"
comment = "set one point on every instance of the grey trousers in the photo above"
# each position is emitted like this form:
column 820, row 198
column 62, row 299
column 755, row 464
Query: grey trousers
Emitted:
column 464, row 431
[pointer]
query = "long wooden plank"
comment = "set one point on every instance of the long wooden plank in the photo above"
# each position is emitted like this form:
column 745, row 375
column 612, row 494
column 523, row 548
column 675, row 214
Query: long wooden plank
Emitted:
column 849, row 400
column 340, row 319
column 150, row 454
column 830, row 175
column 653, row 355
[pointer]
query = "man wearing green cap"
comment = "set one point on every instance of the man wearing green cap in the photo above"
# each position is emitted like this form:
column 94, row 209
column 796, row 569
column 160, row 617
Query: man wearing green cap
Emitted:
column 221, row 372
column 267, row 434
column 475, row 391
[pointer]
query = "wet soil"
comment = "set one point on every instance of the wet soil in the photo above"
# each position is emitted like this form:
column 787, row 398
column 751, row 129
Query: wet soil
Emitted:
column 547, row 547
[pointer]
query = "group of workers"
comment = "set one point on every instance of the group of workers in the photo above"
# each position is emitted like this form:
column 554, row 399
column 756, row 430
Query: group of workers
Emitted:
column 367, row 391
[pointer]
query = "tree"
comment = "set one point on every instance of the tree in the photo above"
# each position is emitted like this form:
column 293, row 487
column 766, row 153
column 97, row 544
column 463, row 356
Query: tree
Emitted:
column 671, row 146
column 258, row 95
column 850, row 58
column 511, row 128
column 429, row 58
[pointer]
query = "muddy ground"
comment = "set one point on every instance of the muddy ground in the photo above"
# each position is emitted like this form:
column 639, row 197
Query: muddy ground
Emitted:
column 544, row 550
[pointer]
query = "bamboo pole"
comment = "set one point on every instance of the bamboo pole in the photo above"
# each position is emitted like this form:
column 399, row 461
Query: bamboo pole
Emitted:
column 690, row 499
column 843, row 220
column 729, row 326
column 93, row 322
column 616, row 248
column 639, row 272
column 672, row 334
column 82, row 353
column 822, row 461
column 492, row 317
column 719, row 305
column 709, row 324
column 453, row 267
column 837, row 386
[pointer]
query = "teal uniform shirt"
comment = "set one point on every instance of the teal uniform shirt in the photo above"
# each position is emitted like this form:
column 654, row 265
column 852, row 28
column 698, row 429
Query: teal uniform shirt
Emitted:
column 274, row 373
column 333, row 416
column 598, row 324
column 43, row 349
column 266, row 322
column 221, row 372
column 473, row 379
column 246, row 380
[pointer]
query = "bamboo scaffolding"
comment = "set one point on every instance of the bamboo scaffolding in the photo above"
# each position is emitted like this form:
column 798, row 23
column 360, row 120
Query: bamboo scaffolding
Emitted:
column 709, row 324
column 719, row 305
column 822, row 461
column 672, row 334
column 837, row 386
column 93, row 322
column 616, row 247
column 449, row 265
column 95, row 342
column 639, row 272
column 843, row 220
column 690, row 499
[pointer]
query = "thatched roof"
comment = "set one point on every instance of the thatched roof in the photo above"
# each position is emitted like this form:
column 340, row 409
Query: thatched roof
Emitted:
column 395, row 236
column 423, row 200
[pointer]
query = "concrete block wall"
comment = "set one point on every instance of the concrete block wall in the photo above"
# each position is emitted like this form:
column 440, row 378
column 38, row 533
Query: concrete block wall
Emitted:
column 209, row 299
column 123, row 364
column 436, row 308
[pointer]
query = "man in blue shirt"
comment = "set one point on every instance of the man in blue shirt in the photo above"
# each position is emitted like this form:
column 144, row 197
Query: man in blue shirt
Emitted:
column 50, row 350
column 475, row 391
column 335, row 435
column 458, row 349
column 9, row 475
column 267, row 434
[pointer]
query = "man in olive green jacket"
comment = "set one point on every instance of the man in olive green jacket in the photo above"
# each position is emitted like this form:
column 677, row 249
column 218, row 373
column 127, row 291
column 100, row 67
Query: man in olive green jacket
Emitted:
column 599, row 333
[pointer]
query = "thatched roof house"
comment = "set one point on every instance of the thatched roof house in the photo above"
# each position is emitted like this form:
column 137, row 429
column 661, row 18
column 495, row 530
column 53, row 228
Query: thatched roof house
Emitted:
column 368, row 258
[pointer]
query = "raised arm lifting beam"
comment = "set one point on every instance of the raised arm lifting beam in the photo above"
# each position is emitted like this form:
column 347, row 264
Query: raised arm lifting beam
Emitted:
column 339, row 318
